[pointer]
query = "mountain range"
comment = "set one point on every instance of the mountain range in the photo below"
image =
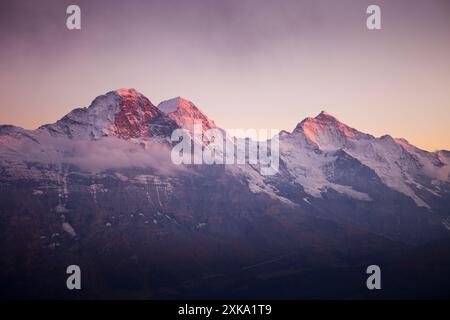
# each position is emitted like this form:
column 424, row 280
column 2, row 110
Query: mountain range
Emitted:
column 98, row 189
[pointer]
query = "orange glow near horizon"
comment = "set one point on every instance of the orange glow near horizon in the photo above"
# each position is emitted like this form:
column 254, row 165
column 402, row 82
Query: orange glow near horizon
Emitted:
column 245, row 64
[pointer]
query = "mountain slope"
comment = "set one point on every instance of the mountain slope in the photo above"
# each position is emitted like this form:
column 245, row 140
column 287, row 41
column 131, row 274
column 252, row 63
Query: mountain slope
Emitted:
column 98, row 188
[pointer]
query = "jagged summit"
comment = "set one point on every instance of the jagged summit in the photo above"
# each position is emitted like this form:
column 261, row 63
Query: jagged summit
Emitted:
column 326, row 116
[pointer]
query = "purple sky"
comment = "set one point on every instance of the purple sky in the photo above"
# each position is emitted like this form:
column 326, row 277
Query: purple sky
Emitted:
column 246, row 63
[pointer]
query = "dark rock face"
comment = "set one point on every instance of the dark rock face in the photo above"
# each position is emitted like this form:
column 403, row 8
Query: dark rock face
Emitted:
column 153, row 237
column 147, row 236
column 138, row 117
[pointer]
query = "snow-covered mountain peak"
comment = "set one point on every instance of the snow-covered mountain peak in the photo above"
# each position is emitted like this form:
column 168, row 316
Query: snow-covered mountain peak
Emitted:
column 174, row 104
column 124, row 113
column 185, row 113
column 326, row 131
column 399, row 165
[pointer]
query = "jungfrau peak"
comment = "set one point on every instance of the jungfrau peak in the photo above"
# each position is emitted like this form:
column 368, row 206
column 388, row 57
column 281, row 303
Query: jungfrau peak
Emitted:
column 327, row 132
column 400, row 166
